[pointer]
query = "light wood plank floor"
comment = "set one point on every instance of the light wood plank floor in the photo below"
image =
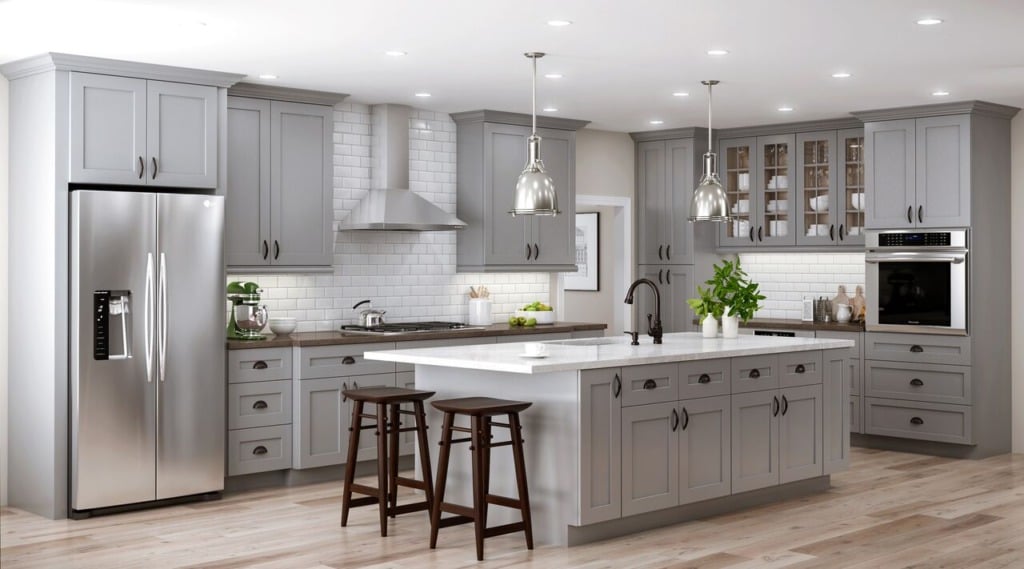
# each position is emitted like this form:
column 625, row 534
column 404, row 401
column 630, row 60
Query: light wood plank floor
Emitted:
column 890, row 510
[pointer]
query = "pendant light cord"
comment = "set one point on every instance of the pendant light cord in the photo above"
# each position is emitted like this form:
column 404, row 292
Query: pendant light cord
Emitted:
column 534, row 58
column 709, row 117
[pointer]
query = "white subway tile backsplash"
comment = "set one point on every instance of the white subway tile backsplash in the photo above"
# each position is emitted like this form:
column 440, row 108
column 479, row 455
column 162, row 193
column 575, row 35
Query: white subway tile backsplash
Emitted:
column 787, row 278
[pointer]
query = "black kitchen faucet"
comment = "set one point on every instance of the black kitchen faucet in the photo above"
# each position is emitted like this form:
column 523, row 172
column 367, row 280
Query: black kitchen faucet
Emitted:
column 653, row 320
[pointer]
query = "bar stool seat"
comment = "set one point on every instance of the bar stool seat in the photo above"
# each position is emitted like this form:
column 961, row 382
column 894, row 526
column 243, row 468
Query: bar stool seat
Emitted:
column 387, row 426
column 481, row 411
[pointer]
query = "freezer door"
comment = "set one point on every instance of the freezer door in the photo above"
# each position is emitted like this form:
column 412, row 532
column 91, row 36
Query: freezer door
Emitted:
column 191, row 346
column 113, row 399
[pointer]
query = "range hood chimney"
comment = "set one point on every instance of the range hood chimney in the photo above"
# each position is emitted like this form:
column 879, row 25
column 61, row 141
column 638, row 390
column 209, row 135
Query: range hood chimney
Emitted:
column 390, row 205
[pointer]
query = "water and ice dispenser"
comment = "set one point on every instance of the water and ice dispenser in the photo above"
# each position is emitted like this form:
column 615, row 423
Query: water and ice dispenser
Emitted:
column 112, row 325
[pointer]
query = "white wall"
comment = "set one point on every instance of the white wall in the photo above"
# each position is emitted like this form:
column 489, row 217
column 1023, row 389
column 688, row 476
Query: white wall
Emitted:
column 1017, row 278
column 3, row 288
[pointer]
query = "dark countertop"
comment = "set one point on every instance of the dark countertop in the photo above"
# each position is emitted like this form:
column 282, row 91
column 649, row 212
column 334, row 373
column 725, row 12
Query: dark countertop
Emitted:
column 337, row 338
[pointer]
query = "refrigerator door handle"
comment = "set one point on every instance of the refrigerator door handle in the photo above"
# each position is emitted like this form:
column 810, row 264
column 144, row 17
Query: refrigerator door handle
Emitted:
column 162, row 300
column 147, row 318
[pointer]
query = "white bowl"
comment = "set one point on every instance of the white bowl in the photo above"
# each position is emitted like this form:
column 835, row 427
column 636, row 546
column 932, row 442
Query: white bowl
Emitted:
column 858, row 201
column 543, row 317
column 283, row 325
column 819, row 203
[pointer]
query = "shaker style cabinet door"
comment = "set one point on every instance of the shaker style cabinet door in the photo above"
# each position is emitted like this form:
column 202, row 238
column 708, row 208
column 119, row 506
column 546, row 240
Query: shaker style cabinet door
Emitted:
column 850, row 181
column 555, row 236
column 320, row 421
column 818, row 204
column 943, row 172
column 508, row 240
column 738, row 167
column 650, row 458
column 247, row 238
column 705, row 465
column 600, row 445
column 755, row 440
column 108, row 129
column 679, row 185
column 800, row 427
column 651, row 191
column 889, row 186
column 775, row 190
column 181, row 135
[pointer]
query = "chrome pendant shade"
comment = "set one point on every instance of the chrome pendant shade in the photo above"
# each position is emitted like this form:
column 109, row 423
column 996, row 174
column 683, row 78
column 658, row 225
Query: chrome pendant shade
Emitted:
column 709, row 202
column 535, row 190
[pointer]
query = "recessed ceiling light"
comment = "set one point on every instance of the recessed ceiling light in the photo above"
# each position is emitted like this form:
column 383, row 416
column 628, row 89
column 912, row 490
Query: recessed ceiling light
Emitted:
column 717, row 52
column 656, row 121
column 940, row 93
column 268, row 76
column 785, row 109
column 680, row 94
column 550, row 109
column 928, row 21
column 423, row 94
column 553, row 75
column 396, row 52
column 841, row 75
column 559, row 23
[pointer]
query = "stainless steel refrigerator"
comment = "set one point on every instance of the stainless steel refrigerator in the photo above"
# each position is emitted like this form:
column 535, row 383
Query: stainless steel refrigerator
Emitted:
column 147, row 347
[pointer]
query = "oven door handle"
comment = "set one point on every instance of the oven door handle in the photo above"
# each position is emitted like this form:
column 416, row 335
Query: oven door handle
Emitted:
column 915, row 257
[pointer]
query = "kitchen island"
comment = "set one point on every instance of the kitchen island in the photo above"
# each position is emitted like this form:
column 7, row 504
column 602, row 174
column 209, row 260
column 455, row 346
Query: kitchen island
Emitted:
column 622, row 438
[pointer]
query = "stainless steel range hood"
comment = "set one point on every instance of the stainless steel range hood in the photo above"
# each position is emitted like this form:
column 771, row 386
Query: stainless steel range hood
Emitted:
column 390, row 206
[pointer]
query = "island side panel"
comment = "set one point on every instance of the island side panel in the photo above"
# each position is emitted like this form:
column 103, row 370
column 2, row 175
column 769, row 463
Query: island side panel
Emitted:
column 550, row 431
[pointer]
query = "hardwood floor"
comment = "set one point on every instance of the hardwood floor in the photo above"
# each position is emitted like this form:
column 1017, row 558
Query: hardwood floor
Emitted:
column 890, row 510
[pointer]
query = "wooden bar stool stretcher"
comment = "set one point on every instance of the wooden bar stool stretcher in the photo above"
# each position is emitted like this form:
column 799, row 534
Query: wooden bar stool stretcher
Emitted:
column 387, row 428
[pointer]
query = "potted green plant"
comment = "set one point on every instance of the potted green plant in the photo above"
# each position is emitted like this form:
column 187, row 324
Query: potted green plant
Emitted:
column 732, row 290
column 708, row 310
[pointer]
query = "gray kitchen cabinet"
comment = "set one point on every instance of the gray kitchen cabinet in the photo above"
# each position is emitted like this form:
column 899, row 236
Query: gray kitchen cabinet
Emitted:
column 760, row 185
column 601, row 445
column 840, row 411
column 652, row 383
column 665, row 181
column 737, row 168
column 853, row 373
column 280, row 190
column 850, row 180
column 818, row 207
column 755, row 440
column 136, row 131
column 800, row 426
column 650, row 458
column 705, row 464
column 367, row 442
column 918, row 172
column 675, row 284
column 320, row 422
column 492, row 153
column 259, row 410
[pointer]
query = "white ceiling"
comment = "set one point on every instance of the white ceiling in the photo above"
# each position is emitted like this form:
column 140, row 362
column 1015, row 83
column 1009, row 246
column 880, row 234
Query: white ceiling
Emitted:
column 621, row 59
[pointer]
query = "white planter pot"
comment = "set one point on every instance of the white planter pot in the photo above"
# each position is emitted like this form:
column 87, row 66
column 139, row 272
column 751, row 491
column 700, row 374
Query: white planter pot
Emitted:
column 709, row 326
column 730, row 326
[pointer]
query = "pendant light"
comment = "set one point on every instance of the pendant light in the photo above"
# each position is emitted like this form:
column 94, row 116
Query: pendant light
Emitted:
column 535, row 190
column 709, row 201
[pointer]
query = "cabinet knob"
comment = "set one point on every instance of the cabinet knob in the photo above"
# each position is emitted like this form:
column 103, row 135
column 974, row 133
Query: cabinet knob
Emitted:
column 916, row 349
column 916, row 421
column 261, row 404
column 260, row 450
column 754, row 374
column 760, row 232
column 259, row 365
column 916, row 382
column 751, row 234
column 704, row 378
column 650, row 384
column 800, row 368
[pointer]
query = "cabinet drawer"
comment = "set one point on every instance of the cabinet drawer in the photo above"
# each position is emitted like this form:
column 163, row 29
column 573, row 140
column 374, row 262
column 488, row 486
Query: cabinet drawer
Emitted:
column 705, row 378
column 436, row 344
column 259, row 449
column 799, row 368
column 339, row 361
column 259, row 364
column 919, row 382
column 754, row 373
column 857, row 337
column 649, row 384
column 259, row 404
column 913, row 420
column 918, row 348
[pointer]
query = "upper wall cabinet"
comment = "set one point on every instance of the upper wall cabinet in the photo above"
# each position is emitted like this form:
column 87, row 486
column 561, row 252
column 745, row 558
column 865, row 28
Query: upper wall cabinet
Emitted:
column 830, row 188
column 280, row 191
column 491, row 155
column 665, row 178
column 759, row 183
column 137, row 131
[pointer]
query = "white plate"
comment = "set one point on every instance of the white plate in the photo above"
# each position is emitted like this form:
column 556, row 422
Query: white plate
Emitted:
column 534, row 356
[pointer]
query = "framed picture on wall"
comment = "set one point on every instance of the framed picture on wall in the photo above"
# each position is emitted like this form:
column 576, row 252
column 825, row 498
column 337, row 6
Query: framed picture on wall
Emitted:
column 587, row 244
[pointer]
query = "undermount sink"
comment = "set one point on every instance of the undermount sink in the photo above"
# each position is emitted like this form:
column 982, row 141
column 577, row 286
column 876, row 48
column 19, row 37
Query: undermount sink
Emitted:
column 590, row 341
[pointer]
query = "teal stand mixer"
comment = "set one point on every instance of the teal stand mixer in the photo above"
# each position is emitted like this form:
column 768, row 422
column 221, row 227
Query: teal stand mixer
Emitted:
column 247, row 316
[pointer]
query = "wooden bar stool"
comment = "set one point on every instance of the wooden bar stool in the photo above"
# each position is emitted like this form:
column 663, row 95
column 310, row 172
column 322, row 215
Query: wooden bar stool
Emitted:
column 387, row 426
column 480, row 411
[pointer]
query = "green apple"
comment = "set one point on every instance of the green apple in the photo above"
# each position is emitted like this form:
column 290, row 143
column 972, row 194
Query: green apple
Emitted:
column 531, row 321
column 513, row 321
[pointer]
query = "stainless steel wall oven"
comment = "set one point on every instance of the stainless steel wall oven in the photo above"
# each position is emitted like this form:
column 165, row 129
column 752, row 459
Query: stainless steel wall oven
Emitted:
column 917, row 280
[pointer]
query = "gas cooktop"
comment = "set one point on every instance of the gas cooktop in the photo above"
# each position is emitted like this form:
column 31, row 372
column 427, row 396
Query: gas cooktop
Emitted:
column 406, row 327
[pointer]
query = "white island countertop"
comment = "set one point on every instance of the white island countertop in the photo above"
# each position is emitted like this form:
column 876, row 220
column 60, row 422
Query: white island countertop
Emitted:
column 595, row 353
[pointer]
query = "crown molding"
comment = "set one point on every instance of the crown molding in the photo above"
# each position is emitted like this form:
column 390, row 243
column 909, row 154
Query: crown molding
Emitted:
column 68, row 62
column 517, row 119
column 260, row 91
column 670, row 134
column 972, row 107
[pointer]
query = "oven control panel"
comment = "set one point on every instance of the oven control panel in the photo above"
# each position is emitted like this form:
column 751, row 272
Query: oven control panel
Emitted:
column 922, row 239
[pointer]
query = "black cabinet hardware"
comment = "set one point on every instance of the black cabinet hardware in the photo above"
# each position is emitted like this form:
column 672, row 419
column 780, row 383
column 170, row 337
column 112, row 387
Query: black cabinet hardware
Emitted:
column 785, row 404
column 650, row 384
column 916, row 349
column 910, row 214
column 675, row 420
column 259, row 365
column 261, row 404
column 686, row 419
column 832, row 232
column 840, row 231
column 754, row 374
column 260, row 450
column 759, row 233
column 529, row 252
column 142, row 167
column 916, row 382
column 704, row 378
column 659, row 277
column 348, row 360
column 266, row 249
column 344, row 388
column 916, row 421
column 616, row 386
column 154, row 167
column 751, row 234
column 800, row 368
column 668, row 277
column 277, row 249
column 536, row 251
column 775, row 406
column 660, row 247
column 668, row 252
column 920, row 214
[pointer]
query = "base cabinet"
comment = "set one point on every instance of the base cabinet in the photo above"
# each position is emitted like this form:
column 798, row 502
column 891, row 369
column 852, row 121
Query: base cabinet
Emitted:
column 321, row 422
column 650, row 453
column 705, row 465
column 601, row 445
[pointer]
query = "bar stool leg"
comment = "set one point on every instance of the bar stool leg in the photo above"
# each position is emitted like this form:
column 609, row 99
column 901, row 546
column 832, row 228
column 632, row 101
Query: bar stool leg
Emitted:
column 424, row 451
column 485, row 461
column 350, row 466
column 442, row 477
column 382, row 467
column 479, row 498
column 394, row 424
column 516, row 431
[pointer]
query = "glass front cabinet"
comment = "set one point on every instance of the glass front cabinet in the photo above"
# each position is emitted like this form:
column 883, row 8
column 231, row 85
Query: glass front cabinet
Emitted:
column 737, row 167
column 830, row 186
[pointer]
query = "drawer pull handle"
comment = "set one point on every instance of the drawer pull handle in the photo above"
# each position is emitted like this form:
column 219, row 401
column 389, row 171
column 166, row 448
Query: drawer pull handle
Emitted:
column 916, row 349
column 686, row 419
column 916, row 382
column 675, row 420
column 704, row 378
column 775, row 406
column 650, row 384
column 916, row 421
column 348, row 360
column 754, row 374
column 261, row 404
column 260, row 365
column 800, row 368
column 259, row 450
column 616, row 386
column 785, row 404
